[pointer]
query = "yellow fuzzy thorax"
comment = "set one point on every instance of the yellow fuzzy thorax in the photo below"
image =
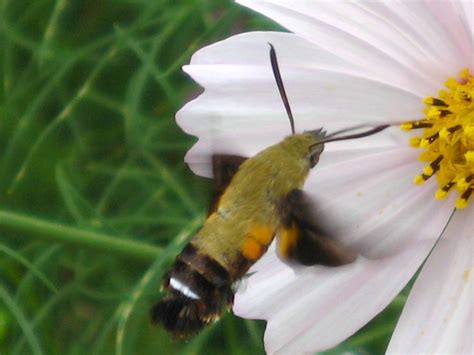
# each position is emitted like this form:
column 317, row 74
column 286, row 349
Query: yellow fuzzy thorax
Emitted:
column 448, row 139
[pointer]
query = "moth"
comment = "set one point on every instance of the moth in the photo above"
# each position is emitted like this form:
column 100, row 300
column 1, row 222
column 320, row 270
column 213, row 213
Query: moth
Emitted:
column 258, row 198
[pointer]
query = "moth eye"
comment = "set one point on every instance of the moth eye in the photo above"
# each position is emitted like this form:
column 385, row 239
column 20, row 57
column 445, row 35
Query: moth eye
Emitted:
column 313, row 160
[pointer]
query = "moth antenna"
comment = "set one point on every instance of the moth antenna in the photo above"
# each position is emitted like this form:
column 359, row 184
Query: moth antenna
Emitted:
column 281, row 87
column 374, row 130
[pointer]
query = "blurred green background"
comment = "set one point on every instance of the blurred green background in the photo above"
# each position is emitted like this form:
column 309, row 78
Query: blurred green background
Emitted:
column 95, row 199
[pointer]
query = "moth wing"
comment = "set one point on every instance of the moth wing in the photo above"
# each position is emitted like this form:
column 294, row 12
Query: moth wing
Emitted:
column 302, row 240
column 224, row 167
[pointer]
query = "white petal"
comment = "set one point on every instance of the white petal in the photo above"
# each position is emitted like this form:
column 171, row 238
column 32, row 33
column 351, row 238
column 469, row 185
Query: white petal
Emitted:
column 438, row 316
column 252, row 48
column 371, row 203
column 236, row 95
column 419, row 24
column 401, row 43
column 316, row 308
column 468, row 10
column 456, row 19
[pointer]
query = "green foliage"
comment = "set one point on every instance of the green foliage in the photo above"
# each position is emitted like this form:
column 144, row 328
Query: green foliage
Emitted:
column 95, row 199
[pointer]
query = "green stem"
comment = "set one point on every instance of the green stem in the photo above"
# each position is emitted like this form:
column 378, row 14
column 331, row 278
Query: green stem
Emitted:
column 36, row 227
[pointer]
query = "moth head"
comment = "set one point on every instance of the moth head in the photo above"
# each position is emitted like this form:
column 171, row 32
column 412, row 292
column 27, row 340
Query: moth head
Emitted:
column 315, row 150
column 304, row 146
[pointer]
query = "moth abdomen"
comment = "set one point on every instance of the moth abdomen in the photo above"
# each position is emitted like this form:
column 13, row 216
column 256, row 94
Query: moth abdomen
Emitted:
column 180, row 315
column 199, row 291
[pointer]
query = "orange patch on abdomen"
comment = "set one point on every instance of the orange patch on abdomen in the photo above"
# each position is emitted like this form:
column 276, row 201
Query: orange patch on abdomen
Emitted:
column 251, row 249
column 262, row 234
column 256, row 242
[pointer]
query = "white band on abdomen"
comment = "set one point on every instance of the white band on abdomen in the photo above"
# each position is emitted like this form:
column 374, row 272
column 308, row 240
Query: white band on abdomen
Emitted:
column 185, row 290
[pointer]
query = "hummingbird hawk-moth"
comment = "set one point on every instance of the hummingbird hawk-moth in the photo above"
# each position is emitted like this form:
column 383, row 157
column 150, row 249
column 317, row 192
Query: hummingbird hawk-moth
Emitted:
column 258, row 198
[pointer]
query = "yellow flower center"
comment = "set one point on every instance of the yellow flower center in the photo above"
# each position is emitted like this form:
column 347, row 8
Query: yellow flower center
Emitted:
column 448, row 139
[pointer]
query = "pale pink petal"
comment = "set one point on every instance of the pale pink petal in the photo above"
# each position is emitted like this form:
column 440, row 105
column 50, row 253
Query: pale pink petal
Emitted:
column 307, row 309
column 456, row 18
column 438, row 316
column 252, row 48
column 468, row 9
column 440, row 57
column 313, row 92
column 409, row 50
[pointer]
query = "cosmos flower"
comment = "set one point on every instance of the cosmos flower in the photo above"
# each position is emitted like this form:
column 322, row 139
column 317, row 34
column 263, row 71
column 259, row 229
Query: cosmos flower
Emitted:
column 402, row 198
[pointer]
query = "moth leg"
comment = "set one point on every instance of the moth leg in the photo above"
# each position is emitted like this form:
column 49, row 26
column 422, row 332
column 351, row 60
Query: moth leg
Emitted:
column 302, row 240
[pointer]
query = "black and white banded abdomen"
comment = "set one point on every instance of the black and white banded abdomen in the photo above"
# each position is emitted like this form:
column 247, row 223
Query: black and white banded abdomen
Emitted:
column 198, row 292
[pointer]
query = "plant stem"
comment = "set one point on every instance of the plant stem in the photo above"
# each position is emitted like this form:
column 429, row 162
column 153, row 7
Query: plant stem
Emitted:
column 35, row 227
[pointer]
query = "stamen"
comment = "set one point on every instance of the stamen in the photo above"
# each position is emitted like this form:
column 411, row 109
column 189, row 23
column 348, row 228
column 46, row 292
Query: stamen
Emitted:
column 444, row 113
column 434, row 101
column 420, row 179
column 425, row 142
column 448, row 139
column 446, row 132
column 433, row 167
column 462, row 201
column 407, row 126
column 443, row 192
column 415, row 142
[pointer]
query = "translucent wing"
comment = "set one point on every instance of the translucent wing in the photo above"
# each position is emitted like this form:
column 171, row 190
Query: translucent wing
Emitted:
column 224, row 168
column 302, row 240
